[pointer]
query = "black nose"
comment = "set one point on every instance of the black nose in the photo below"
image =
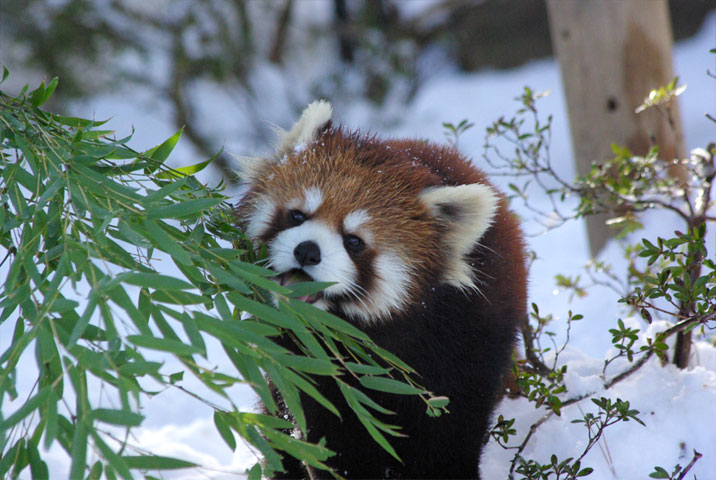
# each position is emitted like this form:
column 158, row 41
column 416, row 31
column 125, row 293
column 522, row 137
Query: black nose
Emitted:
column 307, row 253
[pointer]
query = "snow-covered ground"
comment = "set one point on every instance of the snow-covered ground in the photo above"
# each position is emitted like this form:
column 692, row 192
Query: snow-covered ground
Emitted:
column 678, row 407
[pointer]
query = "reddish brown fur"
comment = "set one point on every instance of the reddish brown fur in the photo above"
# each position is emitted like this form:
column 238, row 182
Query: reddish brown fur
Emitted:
column 459, row 341
column 385, row 178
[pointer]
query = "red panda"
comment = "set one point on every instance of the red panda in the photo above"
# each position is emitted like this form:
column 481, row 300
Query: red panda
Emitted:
column 427, row 259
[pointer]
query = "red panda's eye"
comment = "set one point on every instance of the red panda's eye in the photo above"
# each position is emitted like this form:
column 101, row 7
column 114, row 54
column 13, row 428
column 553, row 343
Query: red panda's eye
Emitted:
column 296, row 217
column 353, row 244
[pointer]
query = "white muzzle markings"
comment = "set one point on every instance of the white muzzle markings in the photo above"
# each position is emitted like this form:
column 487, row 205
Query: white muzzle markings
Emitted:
column 335, row 265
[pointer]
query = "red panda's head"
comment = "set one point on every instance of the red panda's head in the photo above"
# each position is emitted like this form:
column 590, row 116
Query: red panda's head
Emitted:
column 367, row 214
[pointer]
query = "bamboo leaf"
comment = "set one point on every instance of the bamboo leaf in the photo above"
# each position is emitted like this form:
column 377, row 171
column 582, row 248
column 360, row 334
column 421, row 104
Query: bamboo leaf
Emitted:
column 155, row 281
column 161, row 152
column 223, row 428
column 117, row 417
column 26, row 409
column 164, row 241
column 163, row 344
column 156, row 462
column 79, row 451
column 183, row 209
column 389, row 385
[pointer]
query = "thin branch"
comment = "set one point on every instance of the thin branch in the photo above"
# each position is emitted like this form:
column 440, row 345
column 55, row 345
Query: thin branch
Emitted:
column 281, row 33
column 626, row 373
column 532, row 358
column 526, row 440
column 693, row 461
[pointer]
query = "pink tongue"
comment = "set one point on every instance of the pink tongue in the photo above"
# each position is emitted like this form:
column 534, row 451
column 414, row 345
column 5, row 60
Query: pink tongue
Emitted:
column 290, row 278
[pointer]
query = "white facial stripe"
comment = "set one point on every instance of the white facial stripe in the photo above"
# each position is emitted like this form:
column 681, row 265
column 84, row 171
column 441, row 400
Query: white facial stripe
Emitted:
column 389, row 294
column 260, row 218
column 294, row 204
column 355, row 219
column 335, row 264
column 355, row 223
column 312, row 200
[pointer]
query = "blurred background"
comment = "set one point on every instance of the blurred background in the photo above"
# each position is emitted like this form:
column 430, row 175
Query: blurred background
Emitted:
column 225, row 69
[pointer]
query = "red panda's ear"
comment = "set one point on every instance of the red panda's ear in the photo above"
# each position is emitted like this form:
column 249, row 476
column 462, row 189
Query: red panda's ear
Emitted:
column 466, row 211
column 312, row 123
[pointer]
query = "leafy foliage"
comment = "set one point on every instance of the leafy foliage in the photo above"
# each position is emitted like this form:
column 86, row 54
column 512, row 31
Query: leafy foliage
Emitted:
column 670, row 278
column 112, row 262
column 679, row 472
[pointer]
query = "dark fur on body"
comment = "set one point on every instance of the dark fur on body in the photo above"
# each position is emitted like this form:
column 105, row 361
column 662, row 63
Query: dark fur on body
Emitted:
column 458, row 340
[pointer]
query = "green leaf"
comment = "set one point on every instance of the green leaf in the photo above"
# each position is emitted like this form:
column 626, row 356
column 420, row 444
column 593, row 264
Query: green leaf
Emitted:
column 27, row 408
column 83, row 321
column 659, row 473
column 254, row 472
column 223, row 428
column 155, row 281
column 76, row 122
column 79, row 450
column 366, row 369
column 307, row 364
column 155, row 462
column 234, row 334
column 163, row 344
column 163, row 192
column 189, row 170
column 227, row 278
column 439, row 402
column 49, row 90
column 161, row 152
column 50, row 418
column 365, row 420
column 117, row 417
column 183, row 209
column 178, row 297
column 95, row 471
column 112, row 458
column 11, row 455
column 164, row 241
column 38, row 468
column 262, row 311
column 37, row 95
column 302, row 289
column 389, row 385
column 311, row 314
column 288, row 391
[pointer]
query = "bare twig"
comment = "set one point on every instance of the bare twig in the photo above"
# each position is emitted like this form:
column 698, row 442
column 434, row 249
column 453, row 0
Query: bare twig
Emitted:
column 693, row 461
column 279, row 40
column 523, row 445
column 532, row 358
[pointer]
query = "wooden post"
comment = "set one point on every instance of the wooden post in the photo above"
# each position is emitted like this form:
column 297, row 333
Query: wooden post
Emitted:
column 611, row 54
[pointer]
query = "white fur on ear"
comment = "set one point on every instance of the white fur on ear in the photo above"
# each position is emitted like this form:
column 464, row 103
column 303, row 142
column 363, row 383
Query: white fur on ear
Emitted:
column 467, row 211
column 315, row 116
column 251, row 168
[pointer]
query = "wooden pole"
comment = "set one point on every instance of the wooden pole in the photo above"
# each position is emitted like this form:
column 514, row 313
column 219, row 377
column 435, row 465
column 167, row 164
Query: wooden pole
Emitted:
column 611, row 54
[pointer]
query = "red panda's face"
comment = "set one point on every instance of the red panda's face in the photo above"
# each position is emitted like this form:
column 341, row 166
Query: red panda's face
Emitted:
column 331, row 208
column 327, row 217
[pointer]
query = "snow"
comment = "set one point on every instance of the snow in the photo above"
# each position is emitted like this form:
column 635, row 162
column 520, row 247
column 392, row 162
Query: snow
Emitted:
column 676, row 405
column 673, row 404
